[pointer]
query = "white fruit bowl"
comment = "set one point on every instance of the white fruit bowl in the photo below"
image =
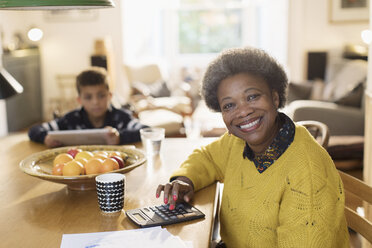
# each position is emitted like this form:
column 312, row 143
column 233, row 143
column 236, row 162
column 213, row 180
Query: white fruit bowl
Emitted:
column 41, row 164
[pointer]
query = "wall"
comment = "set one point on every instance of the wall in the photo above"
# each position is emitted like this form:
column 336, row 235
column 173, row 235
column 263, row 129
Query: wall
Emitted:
column 311, row 30
column 68, row 44
column 367, row 162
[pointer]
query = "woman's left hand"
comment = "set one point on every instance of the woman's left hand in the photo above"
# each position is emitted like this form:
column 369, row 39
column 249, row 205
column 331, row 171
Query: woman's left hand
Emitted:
column 113, row 136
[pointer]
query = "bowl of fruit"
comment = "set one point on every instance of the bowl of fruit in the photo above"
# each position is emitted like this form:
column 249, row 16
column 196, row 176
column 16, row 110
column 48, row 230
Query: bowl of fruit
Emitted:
column 78, row 166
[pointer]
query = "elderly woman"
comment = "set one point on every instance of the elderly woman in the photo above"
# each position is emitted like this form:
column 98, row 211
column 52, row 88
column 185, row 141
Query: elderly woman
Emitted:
column 281, row 188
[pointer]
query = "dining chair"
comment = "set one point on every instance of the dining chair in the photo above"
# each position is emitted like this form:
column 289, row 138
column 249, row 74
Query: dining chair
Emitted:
column 67, row 95
column 318, row 130
column 354, row 187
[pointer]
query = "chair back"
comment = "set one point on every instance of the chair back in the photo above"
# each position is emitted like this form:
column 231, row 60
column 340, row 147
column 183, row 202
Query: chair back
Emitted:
column 318, row 129
column 67, row 95
column 357, row 188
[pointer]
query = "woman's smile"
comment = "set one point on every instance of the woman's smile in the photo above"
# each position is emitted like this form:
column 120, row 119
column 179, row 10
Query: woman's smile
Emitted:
column 250, row 125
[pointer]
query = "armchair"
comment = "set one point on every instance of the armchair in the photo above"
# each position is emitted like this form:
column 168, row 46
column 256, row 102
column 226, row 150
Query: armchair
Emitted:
column 153, row 100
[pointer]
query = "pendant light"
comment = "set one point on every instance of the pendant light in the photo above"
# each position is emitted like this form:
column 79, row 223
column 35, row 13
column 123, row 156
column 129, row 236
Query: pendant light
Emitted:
column 54, row 4
column 8, row 85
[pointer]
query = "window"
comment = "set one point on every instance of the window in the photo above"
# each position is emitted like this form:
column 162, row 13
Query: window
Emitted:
column 184, row 33
column 208, row 30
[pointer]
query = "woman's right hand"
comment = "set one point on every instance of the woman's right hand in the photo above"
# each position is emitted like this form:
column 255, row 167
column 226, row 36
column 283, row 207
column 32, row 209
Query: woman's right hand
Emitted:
column 50, row 142
column 181, row 188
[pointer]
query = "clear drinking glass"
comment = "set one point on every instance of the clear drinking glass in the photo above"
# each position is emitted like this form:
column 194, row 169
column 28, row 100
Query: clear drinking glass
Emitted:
column 152, row 138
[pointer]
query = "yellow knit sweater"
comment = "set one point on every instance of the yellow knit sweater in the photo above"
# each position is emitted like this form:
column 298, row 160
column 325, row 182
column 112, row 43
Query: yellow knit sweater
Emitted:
column 297, row 202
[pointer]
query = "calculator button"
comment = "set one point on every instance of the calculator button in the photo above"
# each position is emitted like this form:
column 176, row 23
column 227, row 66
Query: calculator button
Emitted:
column 162, row 207
column 188, row 210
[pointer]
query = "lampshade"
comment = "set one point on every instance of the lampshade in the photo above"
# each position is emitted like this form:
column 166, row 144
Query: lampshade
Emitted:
column 8, row 85
column 54, row 4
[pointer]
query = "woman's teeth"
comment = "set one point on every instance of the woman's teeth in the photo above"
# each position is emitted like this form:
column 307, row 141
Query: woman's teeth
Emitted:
column 249, row 125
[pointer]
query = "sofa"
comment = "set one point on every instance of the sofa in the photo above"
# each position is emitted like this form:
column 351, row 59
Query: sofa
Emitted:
column 338, row 101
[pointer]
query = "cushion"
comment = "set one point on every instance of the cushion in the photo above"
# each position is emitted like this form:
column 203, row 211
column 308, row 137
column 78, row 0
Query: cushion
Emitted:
column 346, row 80
column 353, row 98
column 297, row 91
column 156, row 89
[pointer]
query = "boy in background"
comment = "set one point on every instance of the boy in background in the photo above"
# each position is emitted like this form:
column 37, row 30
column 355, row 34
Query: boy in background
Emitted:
column 96, row 111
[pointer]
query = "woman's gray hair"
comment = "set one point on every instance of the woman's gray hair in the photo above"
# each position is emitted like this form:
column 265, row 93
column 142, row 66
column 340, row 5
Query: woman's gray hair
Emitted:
column 243, row 60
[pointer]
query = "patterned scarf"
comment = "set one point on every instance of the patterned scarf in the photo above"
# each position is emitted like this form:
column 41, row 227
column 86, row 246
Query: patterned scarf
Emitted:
column 279, row 145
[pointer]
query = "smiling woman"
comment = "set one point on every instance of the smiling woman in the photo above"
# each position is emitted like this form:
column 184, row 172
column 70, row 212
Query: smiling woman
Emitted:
column 281, row 188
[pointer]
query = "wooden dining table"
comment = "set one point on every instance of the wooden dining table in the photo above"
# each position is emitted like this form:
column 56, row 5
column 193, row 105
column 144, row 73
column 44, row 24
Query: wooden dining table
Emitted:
column 36, row 213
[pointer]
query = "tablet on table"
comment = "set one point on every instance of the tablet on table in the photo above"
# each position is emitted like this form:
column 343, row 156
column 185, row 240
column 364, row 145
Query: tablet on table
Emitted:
column 80, row 137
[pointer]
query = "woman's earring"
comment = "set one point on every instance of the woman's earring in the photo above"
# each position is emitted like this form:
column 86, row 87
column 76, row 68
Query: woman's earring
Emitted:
column 228, row 133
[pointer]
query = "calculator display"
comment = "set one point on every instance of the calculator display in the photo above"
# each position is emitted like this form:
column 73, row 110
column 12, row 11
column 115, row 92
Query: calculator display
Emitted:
column 161, row 215
column 138, row 217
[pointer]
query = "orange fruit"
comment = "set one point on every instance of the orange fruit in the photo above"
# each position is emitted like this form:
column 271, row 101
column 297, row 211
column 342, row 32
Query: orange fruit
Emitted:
column 83, row 161
column 119, row 160
column 73, row 168
column 104, row 153
column 84, row 154
column 58, row 169
column 100, row 155
column 109, row 164
column 115, row 153
column 62, row 159
column 93, row 166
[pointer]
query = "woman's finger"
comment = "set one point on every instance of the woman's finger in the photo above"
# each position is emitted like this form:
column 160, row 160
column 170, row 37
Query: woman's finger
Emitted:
column 159, row 190
column 188, row 196
column 175, row 191
column 167, row 191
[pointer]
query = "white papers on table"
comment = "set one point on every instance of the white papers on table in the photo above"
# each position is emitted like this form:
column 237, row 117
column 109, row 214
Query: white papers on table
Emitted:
column 155, row 237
